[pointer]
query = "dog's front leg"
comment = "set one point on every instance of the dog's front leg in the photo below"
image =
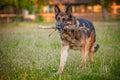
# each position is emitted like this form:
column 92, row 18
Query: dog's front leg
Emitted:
column 63, row 58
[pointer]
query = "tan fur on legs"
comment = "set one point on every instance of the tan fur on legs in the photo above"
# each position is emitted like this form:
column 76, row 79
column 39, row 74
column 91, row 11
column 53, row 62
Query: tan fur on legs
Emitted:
column 90, row 45
column 63, row 58
column 83, row 56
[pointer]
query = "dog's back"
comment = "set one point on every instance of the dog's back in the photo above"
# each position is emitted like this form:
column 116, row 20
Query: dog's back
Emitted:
column 90, row 31
column 86, row 23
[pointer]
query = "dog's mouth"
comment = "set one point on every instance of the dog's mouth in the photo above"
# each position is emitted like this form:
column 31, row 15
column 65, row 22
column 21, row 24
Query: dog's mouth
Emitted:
column 65, row 26
column 70, row 27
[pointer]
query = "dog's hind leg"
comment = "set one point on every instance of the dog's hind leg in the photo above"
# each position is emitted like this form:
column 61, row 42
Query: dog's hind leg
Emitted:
column 90, row 43
column 83, row 49
column 90, row 57
column 92, row 47
column 63, row 58
column 83, row 56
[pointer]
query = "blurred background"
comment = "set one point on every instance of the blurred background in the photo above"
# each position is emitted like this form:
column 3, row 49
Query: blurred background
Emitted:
column 27, row 53
column 43, row 10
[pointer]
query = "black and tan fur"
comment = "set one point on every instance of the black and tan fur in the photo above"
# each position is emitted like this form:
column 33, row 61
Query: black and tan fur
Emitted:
column 83, row 40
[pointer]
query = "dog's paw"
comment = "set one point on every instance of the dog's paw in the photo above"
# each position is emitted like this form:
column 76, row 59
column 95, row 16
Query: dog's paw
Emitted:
column 82, row 67
column 56, row 73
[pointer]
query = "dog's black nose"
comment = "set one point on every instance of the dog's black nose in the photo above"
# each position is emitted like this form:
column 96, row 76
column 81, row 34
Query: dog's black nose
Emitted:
column 58, row 26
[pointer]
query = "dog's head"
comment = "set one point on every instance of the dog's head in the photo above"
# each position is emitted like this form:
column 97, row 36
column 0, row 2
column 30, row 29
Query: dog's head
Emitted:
column 64, row 18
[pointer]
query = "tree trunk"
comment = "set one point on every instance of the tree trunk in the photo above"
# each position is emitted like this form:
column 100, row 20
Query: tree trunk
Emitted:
column 105, row 14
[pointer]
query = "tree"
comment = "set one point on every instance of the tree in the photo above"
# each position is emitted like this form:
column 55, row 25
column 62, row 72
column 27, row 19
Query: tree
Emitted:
column 105, row 6
column 23, row 4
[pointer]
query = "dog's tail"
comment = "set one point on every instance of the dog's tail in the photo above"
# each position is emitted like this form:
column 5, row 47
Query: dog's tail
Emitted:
column 95, row 48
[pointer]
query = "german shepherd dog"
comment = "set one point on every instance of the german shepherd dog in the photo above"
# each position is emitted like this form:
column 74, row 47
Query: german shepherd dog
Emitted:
column 73, row 38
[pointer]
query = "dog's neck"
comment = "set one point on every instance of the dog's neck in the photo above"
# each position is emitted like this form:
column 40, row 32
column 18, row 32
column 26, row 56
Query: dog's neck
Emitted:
column 77, row 23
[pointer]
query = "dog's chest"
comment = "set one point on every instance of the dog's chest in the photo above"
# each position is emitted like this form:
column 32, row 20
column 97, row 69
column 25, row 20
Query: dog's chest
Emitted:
column 72, row 37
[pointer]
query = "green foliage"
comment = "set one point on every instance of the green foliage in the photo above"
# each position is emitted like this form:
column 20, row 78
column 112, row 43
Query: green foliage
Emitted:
column 41, row 18
column 105, row 3
column 25, row 4
column 6, row 2
column 93, row 2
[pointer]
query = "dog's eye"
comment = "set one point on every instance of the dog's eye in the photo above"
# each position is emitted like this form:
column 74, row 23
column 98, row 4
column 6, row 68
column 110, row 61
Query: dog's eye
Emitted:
column 58, row 18
column 64, row 19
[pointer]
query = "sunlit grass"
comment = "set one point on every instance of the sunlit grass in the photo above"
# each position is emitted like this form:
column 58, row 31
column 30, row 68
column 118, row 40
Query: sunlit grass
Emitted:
column 27, row 53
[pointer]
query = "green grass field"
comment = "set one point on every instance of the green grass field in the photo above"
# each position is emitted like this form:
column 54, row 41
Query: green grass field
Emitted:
column 27, row 53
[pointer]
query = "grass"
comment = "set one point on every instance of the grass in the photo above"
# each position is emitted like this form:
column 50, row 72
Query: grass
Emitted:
column 27, row 53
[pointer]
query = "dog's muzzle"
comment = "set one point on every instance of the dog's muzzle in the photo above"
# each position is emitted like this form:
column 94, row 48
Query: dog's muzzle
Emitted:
column 61, row 26
column 58, row 26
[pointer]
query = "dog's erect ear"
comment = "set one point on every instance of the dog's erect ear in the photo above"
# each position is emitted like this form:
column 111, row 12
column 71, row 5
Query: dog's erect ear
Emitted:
column 57, row 9
column 69, row 10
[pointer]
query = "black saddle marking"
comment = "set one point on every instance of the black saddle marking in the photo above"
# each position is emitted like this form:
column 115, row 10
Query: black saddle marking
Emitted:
column 87, row 23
